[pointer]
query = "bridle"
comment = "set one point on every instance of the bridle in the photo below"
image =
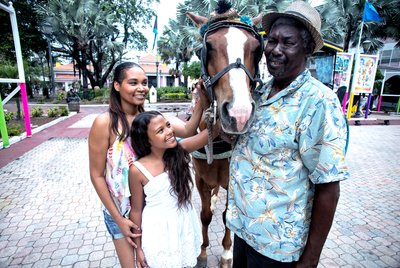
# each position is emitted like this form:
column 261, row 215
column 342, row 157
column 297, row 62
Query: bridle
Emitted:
column 209, row 81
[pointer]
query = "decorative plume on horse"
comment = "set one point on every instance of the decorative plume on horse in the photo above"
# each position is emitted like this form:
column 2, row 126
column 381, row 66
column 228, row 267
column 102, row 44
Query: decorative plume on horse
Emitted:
column 230, row 55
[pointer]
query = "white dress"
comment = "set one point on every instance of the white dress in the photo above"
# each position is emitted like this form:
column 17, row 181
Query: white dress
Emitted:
column 171, row 237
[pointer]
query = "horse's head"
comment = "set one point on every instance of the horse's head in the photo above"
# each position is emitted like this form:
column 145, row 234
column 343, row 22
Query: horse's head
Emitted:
column 230, row 55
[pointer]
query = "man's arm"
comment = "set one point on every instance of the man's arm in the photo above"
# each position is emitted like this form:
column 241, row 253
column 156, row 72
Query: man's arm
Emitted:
column 326, row 198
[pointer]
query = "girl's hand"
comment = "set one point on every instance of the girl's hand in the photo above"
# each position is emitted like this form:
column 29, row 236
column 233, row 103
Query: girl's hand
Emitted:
column 126, row 226
column 140, row 259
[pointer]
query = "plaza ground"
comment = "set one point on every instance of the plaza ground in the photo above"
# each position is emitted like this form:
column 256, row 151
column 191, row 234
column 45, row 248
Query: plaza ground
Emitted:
column 50, row 215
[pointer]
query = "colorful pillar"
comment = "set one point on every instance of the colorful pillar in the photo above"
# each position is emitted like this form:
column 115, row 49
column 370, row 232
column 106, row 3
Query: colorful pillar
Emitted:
column 26, row 110
column 3, row 126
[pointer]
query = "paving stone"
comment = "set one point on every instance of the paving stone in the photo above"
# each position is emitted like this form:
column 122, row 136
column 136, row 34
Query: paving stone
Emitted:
column 69, row 260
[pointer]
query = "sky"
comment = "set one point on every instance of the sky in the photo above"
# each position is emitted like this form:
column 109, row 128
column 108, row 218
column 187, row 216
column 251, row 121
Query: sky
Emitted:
column 166, row 9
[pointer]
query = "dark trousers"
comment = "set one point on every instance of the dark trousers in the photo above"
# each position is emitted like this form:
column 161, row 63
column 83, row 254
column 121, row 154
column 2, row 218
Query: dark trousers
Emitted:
column 245, row 256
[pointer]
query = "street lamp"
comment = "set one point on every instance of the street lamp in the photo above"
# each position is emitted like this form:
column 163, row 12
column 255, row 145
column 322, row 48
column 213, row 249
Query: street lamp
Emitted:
column 157, row 63
column 48, row 30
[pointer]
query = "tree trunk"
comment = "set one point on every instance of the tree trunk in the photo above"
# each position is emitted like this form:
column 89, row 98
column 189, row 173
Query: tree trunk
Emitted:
column 84, row 75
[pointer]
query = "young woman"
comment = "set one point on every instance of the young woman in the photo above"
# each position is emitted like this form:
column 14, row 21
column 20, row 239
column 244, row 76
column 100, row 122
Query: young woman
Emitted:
column 110, row 153
column 161, row 179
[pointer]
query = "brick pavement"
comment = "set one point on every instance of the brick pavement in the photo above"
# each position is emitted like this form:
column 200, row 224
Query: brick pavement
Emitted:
column 50, row 214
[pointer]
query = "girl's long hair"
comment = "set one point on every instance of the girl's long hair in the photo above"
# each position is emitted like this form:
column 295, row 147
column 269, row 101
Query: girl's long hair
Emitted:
column 176, row 160
column 115, row 108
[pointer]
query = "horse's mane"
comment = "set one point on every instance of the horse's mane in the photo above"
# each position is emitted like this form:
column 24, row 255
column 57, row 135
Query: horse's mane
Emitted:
column 223, row 11
column 223, row 6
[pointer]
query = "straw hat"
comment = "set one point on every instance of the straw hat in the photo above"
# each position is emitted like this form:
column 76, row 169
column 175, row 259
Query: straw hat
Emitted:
column 302, row 12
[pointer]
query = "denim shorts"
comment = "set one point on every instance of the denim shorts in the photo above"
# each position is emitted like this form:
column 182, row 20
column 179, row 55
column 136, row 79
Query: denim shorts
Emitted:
column 112, row 226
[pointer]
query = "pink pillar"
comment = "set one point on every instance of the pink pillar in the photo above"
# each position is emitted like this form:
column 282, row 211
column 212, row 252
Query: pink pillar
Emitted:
column 26, row 110
column 344, row 102
column 379, row 103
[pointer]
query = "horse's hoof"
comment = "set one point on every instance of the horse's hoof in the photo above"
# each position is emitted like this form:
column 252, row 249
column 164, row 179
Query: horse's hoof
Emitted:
column 201, row 262
column 225, row 263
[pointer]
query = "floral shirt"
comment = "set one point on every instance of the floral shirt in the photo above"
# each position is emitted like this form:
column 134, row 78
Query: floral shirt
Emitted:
column 297, row 139
column 120, row 157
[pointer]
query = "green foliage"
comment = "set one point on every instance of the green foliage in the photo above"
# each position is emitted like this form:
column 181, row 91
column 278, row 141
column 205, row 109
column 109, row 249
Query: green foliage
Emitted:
column 61, row 95
column 14, row 130
column 101, row 92
column 37, row 112
column 9, row 115
column 41, row 100
column 165, row 90
column 96, row 32
column 173, row 96
column 9, row 70
column 193, row 70
column 28, row 27
column 63, row 111
column 53, row 112
column 171, row 93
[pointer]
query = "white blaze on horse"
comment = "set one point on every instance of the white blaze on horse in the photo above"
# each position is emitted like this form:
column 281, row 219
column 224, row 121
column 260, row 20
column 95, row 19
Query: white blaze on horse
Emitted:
column 230, row 55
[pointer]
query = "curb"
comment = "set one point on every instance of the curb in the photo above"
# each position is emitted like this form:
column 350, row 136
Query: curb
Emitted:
column 23, row 136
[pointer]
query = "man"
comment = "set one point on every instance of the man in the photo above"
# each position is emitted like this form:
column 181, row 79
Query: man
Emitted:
column 285, row 171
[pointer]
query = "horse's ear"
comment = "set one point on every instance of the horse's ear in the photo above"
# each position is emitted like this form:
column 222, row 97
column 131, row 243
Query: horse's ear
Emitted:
column 257, row 19
column 197, row 19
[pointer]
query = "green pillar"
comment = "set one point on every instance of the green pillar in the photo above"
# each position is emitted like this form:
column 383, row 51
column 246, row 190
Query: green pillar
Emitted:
column 3, row 126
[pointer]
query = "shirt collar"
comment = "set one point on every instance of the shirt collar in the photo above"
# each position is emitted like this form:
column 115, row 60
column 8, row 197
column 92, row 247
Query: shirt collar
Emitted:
column 295, row 85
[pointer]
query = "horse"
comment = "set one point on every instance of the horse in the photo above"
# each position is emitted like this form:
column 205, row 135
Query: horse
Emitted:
column 230, row 55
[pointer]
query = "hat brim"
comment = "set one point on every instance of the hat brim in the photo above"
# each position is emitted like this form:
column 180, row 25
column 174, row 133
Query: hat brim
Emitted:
column 270, row 18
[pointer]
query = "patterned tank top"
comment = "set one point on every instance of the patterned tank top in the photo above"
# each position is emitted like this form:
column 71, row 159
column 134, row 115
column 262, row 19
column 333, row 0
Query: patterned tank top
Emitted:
column 120, row 157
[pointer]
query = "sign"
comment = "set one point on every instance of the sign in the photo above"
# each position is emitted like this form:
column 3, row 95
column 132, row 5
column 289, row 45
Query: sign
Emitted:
column 364, row 75
column 343, row 68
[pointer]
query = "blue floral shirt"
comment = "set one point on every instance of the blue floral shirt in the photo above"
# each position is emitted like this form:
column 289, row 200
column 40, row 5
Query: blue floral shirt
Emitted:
column 297, row 139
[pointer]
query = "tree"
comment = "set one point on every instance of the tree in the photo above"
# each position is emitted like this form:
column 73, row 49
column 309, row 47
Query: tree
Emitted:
column 192, row 70
column 174, row 45
column 390, row 11
column 32, row 41
column 96, row 32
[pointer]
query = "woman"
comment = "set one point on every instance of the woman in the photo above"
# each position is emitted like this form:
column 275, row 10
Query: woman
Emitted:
column 110, row 153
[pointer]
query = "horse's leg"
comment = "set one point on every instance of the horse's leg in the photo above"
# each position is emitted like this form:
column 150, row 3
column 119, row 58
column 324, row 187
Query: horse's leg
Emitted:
column 214, row 198
column 205, row 216
column 227, row 255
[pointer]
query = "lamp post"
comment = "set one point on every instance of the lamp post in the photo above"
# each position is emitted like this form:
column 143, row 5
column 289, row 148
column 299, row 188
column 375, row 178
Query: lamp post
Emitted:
column 157, row 63
column 48, row 30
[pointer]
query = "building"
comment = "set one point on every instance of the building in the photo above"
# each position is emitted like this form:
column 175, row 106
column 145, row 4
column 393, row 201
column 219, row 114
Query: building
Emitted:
column 65, row 75
column 152, row 65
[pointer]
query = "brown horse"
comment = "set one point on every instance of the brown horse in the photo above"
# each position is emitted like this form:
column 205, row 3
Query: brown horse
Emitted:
column 230, row 55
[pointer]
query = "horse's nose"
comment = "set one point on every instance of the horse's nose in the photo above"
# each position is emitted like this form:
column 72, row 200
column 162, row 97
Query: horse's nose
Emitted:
column 240, row 115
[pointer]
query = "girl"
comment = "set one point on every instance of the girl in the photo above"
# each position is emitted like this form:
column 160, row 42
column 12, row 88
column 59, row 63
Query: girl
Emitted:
column 110, row 153
column 161, row 179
